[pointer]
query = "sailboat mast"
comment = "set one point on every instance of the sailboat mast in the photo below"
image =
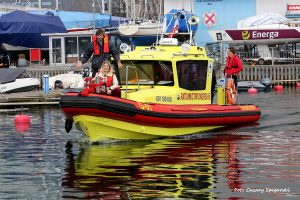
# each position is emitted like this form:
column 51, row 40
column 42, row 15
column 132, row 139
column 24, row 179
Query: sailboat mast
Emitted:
column 40, row 5
column 133, row 4
column 94, row 18
column 56, row 5
column 103, row 10
column 109, row 7
column 127, row 10
column 145, row 8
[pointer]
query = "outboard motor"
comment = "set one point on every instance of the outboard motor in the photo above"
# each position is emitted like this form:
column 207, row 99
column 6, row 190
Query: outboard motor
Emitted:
column 58, row 84
column 268, row 83
column 85, row 72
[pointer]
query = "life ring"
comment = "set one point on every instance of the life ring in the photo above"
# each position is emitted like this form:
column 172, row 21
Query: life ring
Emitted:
column 230, row 92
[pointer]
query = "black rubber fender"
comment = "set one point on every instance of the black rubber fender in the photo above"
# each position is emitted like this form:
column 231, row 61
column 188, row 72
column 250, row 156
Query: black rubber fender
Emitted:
column 68, row 125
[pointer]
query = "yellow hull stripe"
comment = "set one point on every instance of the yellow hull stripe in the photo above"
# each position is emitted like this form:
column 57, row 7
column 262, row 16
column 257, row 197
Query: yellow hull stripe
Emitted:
column 100, row 128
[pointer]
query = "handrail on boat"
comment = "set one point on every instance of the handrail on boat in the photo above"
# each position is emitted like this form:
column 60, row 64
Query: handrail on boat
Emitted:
column 146, row 56
column 187, row 54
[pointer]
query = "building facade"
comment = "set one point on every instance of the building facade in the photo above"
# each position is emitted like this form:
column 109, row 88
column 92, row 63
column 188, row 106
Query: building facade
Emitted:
column 224, row 14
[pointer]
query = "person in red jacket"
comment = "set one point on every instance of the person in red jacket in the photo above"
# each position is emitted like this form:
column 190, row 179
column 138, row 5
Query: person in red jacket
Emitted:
column 109, row 84
column 233, row 65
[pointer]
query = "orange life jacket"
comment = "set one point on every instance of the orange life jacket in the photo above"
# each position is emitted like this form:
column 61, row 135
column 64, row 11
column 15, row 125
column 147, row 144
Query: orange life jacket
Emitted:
column 109, row 81
column 96, row 46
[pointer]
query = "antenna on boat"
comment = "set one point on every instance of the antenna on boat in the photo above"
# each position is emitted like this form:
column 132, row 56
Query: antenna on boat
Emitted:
column 191, row 31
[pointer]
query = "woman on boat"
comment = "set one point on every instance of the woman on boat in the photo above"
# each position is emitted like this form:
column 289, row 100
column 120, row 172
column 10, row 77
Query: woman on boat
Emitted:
column 108, row 80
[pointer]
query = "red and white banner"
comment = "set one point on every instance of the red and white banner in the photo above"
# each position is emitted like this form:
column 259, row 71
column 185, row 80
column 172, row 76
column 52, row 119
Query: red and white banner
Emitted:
column 292, row 7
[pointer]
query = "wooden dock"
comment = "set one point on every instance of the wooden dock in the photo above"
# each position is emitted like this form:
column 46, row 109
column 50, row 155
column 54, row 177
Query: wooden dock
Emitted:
column 283, row 74
column 33, row 98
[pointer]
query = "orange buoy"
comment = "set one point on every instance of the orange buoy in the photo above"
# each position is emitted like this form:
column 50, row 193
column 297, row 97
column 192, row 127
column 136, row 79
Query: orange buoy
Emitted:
column 22, row 123
column 252, row 90
column 278, row 87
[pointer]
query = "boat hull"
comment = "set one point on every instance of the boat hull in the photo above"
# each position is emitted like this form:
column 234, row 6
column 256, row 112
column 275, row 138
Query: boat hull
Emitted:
column 101, row 116
column 140, row 30
column 20, row 85
column 245, row 85
column 102, row 128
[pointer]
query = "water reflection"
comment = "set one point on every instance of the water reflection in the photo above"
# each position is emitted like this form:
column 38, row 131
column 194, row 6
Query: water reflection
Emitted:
column 36, row 164
column 167, row 168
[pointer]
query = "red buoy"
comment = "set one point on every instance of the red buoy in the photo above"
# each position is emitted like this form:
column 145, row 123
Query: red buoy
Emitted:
column 22, row 123
column 298, row 85
column 252, row 90
column 278, row 87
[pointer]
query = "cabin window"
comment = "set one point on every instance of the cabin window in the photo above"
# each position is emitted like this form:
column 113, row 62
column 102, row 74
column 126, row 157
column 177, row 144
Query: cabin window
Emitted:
column 192, row 74
column 147, row 73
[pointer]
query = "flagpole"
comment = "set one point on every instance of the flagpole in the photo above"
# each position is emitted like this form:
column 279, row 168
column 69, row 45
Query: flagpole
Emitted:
column 94, row 18
column 40, row 5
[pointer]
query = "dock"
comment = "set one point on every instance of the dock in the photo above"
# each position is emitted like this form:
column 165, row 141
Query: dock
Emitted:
column 32, row 98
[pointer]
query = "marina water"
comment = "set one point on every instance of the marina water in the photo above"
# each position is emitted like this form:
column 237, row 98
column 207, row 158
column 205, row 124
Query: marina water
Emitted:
column 260, row 161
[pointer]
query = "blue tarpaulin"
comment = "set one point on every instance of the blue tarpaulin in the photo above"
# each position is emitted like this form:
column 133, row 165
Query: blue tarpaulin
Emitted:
column 24, row 29
column 75, row 20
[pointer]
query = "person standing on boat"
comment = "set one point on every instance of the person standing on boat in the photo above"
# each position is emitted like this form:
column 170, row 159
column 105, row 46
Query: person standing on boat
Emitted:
column 100, row 50
column 107, row 80
column 233, row 65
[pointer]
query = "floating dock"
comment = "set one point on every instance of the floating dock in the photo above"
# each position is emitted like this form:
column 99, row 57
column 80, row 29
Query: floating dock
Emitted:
column 32, row 98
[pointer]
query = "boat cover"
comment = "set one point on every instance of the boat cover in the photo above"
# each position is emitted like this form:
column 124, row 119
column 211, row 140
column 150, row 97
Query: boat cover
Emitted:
column 20, row 28
column 8, row 75
column 260, row 20
column 75, row 20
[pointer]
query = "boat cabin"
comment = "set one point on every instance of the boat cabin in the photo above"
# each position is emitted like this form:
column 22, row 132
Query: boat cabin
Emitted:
column 167, row 74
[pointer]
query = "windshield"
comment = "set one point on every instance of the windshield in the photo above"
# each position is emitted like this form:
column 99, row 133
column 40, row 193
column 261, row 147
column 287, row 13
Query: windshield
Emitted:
column 147, row 73
column 192, row 74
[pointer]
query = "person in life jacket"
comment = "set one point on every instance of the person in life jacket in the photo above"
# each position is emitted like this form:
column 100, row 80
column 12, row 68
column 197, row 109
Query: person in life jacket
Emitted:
column 233, row 65
column 108, row 80
column 99, row 50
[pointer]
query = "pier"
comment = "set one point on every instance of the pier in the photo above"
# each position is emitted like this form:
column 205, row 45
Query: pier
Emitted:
column 279, row 74
column 28, row 99
column 283, row 74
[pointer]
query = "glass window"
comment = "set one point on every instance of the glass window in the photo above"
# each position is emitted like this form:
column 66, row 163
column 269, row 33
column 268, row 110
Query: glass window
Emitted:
column 192, row 74
column 147, row 73
column 83, row 44
column 56, row 50
column 71, row 49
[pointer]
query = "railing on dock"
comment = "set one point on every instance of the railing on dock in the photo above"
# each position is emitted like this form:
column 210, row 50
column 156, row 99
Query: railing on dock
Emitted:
column 39, row 72
column 284, row 74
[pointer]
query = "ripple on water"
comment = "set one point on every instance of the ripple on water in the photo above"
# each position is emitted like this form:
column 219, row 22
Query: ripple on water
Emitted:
column 46, row 163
